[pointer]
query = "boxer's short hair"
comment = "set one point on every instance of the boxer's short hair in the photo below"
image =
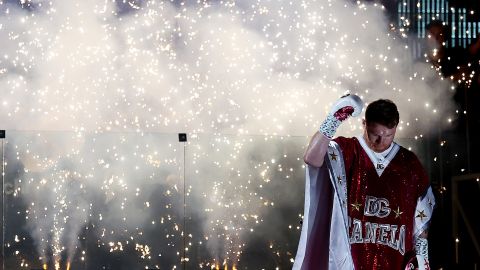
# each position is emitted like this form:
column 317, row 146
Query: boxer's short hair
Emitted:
column 382, row 111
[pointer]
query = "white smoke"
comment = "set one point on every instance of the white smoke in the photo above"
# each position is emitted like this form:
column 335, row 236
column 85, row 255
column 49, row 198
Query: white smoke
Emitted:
column 264, row 67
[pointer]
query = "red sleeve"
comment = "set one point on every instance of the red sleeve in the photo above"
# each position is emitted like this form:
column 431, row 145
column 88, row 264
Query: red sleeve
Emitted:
column 420, row 176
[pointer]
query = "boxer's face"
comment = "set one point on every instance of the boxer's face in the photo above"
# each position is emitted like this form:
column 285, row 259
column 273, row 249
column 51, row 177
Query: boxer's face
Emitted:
column 377, row 136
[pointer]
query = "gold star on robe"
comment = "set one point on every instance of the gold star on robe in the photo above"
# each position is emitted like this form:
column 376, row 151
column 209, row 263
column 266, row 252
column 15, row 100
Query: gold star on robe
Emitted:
column 333, row 156
column 397, row 213
column 356, row 206
column 421, row 215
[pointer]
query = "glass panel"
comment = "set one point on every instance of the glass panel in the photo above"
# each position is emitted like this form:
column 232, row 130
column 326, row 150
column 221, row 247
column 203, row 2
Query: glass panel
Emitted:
column 244, row 201
column 90, row 201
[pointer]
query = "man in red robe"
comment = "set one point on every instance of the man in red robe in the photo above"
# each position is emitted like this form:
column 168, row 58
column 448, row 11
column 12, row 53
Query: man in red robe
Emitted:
column 368, row 201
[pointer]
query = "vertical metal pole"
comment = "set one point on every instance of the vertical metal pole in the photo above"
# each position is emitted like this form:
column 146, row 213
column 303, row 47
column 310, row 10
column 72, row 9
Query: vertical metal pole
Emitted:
column 2, row 136
column 454, row 217
column 182, row 137
column 184, row 212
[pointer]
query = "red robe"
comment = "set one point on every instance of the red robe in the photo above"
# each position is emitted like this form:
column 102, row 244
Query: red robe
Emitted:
column 381, row 209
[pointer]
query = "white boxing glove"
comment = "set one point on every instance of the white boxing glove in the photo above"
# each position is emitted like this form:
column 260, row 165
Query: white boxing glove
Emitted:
column 341, row 110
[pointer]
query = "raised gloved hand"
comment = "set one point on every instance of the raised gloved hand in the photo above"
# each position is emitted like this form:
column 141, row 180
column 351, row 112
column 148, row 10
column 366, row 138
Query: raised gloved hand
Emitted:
column 341, row 110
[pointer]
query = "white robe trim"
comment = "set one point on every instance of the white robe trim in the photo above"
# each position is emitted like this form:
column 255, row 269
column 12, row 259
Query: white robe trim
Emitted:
column 380, row 162
column 423, row 212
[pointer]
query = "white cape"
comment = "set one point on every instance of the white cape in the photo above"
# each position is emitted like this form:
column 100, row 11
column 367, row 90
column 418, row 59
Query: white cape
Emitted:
column 324, row 242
